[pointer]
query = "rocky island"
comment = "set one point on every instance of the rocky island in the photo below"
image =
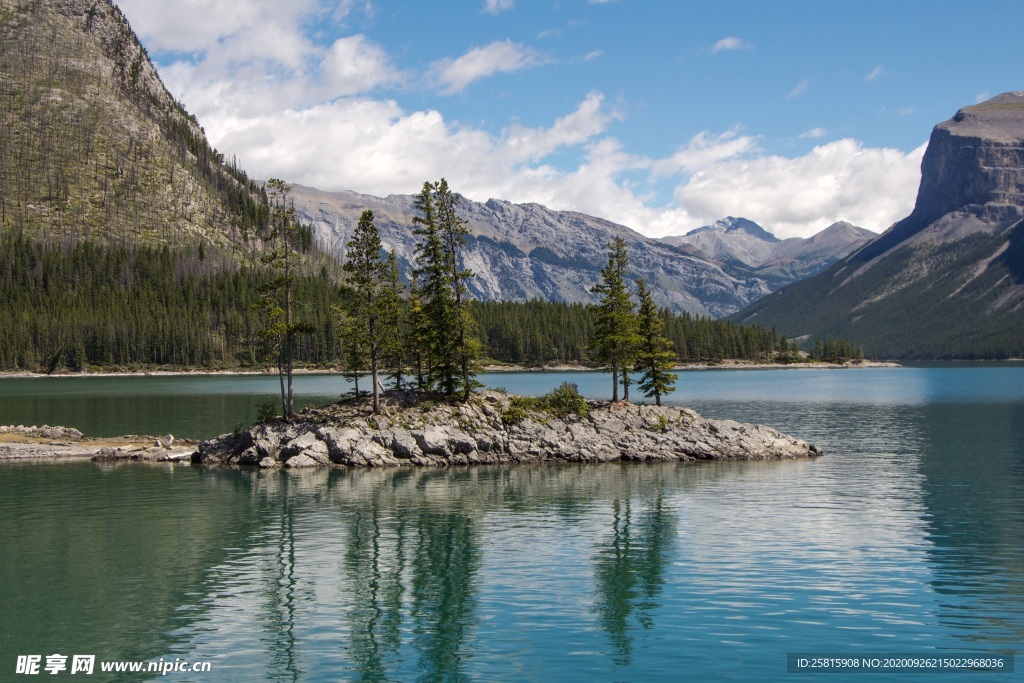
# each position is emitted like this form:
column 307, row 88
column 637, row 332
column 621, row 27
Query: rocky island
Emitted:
column 494, row 427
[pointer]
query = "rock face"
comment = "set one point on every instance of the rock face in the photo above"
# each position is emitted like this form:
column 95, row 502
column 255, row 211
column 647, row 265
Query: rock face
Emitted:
column 948, row 280
column 520, row 252
column 487, row 430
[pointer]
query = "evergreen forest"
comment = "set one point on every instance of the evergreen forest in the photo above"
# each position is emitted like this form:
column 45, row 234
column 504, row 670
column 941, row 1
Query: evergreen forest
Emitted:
column 85, row 304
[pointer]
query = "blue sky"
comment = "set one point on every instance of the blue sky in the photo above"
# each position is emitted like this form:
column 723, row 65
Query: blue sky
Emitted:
column 664, row 116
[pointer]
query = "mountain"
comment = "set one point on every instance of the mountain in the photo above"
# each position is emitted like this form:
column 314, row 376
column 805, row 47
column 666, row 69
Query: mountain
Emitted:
column 93, row 145
column 947, row 281
column 745, row 249
column 526, row 251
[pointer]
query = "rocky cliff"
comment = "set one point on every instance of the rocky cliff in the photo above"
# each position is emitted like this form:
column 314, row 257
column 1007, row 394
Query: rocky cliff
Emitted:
column 948, row 280
column 520, row 252
column 491, row 429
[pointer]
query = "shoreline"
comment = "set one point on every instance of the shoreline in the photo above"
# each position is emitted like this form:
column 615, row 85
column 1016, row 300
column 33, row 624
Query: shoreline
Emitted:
column 61, row 444
column 493, row 369
column 411, row 430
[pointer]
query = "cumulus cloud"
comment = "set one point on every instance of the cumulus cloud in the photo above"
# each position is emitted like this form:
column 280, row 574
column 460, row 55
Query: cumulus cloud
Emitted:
column 730, row 43
column 705, row 149
column 455, row 75
column 841, row 180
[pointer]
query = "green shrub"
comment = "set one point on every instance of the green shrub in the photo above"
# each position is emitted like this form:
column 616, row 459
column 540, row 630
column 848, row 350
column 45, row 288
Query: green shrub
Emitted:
column 266, row 411
column 565, row 401
column 514, row 414
column 561, row 402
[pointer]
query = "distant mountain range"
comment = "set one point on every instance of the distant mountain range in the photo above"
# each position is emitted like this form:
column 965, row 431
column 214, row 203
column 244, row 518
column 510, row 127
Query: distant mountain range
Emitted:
column 947, row 281
column 744, row 248
column 527, row 251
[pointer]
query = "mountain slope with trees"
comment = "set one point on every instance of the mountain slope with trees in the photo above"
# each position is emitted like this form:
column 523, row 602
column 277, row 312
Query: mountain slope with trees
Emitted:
column 92, row 146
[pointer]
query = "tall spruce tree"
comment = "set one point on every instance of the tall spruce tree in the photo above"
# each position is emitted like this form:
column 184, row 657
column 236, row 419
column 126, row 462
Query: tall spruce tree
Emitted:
column 372, row 313
column 615, row 339
column 453, row 232
column 283, row 238
column 392, row 328
column 451, row 351
column 656, row 355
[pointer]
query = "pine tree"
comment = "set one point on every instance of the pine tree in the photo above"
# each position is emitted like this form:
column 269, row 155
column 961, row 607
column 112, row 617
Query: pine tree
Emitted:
column 284, row 235
column 371, row 309
column 615, row 330
column 656, row 355
column 451, row 351
column 391, row 327
column 454, row 231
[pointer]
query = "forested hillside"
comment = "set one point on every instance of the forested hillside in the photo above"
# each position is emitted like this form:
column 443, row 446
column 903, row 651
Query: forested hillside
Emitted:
column 107, row 307
column 92, row 146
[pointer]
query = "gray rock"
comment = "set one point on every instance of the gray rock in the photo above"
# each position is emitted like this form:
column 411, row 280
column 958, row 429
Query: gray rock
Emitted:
column 302, row 460
column 433, row 441
column 446, row 435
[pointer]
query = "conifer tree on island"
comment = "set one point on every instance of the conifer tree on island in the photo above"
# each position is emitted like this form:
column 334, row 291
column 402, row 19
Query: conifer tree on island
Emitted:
column 451, row 352
column 285, row 237
column 373, row 310
column 656, row 356
column 616, row 340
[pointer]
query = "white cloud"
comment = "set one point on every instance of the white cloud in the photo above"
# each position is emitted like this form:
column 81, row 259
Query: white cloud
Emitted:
column 981, row 97
column 877, row 72
column 814, row 133
column 481, row 62
column 799, row 90
column 705, row 149
column 293, row 108
column 841, row 180
column 354, row 65
column 730, row 43
column 498, row 6
column 592, row 55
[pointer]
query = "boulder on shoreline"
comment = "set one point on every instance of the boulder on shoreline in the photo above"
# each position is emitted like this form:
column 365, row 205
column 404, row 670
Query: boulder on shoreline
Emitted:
column 492, row 428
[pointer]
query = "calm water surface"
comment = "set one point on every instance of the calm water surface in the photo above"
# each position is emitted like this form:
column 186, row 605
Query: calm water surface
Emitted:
column 905, row 539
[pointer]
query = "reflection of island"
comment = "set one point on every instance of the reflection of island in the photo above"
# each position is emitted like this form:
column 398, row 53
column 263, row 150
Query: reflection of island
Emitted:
column 368, row 575
column 106, row 566
column 974, row 475
column 629, row 570
column 278, row 613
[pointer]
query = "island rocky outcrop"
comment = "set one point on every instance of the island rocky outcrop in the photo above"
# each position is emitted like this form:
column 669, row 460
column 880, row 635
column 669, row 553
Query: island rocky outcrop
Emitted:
column 494, row 428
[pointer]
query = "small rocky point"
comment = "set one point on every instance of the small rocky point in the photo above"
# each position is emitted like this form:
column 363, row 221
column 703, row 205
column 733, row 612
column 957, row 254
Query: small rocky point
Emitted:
column 490, row 429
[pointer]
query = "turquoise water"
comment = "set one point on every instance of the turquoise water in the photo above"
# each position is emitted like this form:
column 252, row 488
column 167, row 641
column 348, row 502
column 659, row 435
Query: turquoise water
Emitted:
column 906, row 538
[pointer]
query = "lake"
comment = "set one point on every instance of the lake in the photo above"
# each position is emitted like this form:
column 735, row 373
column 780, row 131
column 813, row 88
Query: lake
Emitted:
column 906, row 539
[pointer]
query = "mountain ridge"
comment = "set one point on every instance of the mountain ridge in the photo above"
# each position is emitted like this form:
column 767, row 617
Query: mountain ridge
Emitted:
column 524, row 251
column 744, row 248
column 947, row 280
